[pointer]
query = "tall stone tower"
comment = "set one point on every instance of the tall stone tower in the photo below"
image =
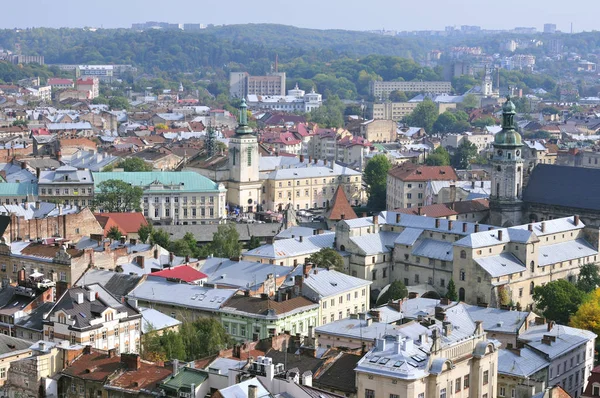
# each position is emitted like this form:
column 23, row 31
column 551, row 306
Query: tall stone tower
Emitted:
column 507, row 172
column 244, row 186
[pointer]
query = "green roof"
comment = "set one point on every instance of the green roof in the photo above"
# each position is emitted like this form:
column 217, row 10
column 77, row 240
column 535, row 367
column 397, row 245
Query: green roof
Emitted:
column 185, row 378
column 174, row 181
column 18, row 188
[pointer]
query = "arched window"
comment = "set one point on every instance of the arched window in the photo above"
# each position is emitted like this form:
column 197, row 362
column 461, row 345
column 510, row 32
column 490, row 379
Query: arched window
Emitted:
column 531, row 287
column 509, row 155
column 343, row 248
column 461, row 294
column 462, row 275
column 463, row 254
column 532, row 266
column 62, row 318
column 499, row 168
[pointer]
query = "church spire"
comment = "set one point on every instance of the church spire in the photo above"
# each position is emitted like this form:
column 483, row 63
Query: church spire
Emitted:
column 243, row 127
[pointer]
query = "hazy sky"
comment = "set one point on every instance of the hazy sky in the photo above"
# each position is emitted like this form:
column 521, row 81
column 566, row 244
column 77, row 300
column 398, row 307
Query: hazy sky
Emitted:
column 321, row 14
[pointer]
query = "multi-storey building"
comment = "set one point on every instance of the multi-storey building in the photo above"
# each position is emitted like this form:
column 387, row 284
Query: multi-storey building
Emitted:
column 395, row 111
column 92, row 316
column 68, row 185
column 379, row 130
column 483, row 142
column 448, row 355
column 241, row 84
column 89, row 85
column 174, row 197
column 382, row 90
column 406, row 183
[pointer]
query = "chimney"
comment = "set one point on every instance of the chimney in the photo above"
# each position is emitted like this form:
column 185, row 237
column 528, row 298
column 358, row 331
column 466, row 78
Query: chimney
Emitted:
column 476, row 227
column 87, row 349
column 141, row 261
column 306, row 269
column 298, row 281
column 307, row 378
column 500, row 235
column 418, row 211
column 437, row 222
column 42, row 346
column 301, row 158
column 543, row 226
column 79, row 298
column 112, row 353
column 342, row 216
column 576, row 220
column 550, row 325
column 91, row 295
column 156, row 253
column 464, row 227
column 37, row 172
column 301, row 238
column 530, row 227
column 131, row 361
column 171, row 258
column 364, row 214
column 175, row 366
column 133, row 241
column 252, row 391
column 450, row 225
column 375, row 219
column 23, row 165
column 397, row 218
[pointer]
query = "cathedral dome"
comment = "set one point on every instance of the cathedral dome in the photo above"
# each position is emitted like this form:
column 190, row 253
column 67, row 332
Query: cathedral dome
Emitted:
column 508, row 135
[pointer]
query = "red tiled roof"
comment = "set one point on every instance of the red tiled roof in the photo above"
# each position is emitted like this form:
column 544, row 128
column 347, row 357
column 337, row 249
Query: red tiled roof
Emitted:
column 147, row 377
column 96, row 366
column 127, row 223
column 77, row 142
column 340, row 207
column 413, row 172
column 183, row 272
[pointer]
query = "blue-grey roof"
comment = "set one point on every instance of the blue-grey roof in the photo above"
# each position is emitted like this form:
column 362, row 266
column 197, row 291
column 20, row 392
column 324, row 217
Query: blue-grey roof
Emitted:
column 566, row 339
column 66, row 175
column 356, row 328
column 564, row 251
column 222, row 365
column 156, row 320
column 381, row 242
column 284, row 248
column 564, row 186
column 173, row 181
column 522, row 365
column 240, row 274
column 428, row 223
column 159, row 290
column 501, row 264
column 312, row 172
column 440, row 250
column 30, row 211
column 295, row 231
column 409, row 236
column 69, row 126
column 327, row 283
column 497, row 320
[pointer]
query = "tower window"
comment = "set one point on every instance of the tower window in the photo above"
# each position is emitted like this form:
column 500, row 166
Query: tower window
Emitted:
column 499, row 168
column 249, row 156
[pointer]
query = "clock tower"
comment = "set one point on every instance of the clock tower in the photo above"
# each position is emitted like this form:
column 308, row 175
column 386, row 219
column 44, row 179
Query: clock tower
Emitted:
column 507, row 172
column 244, row 186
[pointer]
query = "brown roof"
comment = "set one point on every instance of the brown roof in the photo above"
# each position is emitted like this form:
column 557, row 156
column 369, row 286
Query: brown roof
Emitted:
column 340, row 208
column 49, row 251
column 126, row 222
column 448, row 209
column 147, row 377
column 95, row 366
column 260, row 306
column 413, row 172
column 77, row 142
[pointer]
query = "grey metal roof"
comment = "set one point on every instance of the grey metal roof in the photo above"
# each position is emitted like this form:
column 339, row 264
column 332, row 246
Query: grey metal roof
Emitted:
column 117, row 283
column 428, row 223
column 159, row 290
column 284, row 248
column 564, row 251
column 295, row 231
column 521, row 365
column 409, row 236
column 69, row 126
column 312, row 172
column 381, row 242
column 240, row 274
column 327, row 283
column 501, row 264
column 440, row 250
column 204, row 233
column 567, row 339
column 156, row 320
column 497, row 320
column 29, row 210
column 66, row 175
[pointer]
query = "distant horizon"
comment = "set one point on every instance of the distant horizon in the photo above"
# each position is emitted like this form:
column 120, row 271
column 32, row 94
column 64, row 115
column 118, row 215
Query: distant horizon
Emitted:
column 310, row 14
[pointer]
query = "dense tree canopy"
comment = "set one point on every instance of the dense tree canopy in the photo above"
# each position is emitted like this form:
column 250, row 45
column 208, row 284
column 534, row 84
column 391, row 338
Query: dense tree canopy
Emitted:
column 375, row 176
column 557, row 300
column 589, row 279
column 327, row 258
column 438, row 157
column 134, row 164
column 118, row 196
column 424, row 115
column 396, row 291
column 464, row 155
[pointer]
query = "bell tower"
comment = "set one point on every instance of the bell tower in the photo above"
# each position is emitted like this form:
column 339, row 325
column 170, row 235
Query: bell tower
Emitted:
column 507, row 172
column 244, row 184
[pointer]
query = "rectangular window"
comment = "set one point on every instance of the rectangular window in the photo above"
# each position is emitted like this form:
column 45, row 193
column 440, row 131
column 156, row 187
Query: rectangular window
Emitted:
column 249, row 156
column 466, row 381
column 486, row 377
column 369, row 393
column 443, row 393
column 458, row 385
column 502, row 391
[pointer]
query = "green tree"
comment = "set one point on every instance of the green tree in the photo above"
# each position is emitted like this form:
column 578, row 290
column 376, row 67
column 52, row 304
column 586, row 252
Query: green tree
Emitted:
column 144, row 232
column 438, row 157
column 464, row 154
column 114, row 233
column 396, row 291
column 118, row 103
column 172, row 345
column 587, row 316
column 226, row 242
column 134, row 164
column 20, row 122
column 253, row 243
column 118, row 196
column 470, row 102
column 375, row 176
column 398, row 96
column 451, row 291
column 329, row 114
column 327, row 258
column 589, row 278
column 484, row 121
column 444, row 123
column 161, row 126
column 557, row 300
column 160, row 237
column 424, row 115
column 181, row 248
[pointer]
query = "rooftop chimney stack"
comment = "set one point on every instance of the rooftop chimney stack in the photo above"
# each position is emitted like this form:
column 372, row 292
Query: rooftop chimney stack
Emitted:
column 576, row 220
column 500, row 235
